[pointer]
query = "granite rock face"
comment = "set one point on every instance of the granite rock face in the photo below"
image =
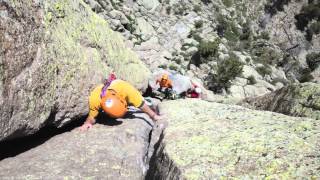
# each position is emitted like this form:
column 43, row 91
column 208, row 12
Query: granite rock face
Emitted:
column 216, row 141
column 52, row 54
column 103, row 152
column 293, row 100
column 170, row 34
column 284, row 32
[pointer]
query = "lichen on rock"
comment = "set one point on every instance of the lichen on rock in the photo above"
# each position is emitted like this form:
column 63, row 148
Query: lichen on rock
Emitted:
column 65, row 50
column 295, row 100
column 215, row 141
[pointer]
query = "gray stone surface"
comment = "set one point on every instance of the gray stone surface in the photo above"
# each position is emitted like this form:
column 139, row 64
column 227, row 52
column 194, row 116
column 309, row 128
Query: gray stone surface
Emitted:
column 103, row 152
column 216, row 141
column 177, row 23
column 294, row 100
column 52, row 54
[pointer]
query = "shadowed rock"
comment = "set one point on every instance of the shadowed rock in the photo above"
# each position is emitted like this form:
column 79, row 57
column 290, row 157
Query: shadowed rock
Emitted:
column 293, row 100
column 52, row 55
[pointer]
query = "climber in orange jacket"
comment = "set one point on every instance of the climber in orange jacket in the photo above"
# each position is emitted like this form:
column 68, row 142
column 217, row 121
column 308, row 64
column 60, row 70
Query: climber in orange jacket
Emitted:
column 113, row 97
column 164, row 81
column 165, row 85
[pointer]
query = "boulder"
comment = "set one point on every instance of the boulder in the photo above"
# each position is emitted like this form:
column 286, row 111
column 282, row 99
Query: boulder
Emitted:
column 190, row 42
column 278, row 74
column 237, row 91
column 240, row 88
column 53, row 54
column 248, row 71
column 145, row 29
column 255, row 90
column 241, row 57
column 295, row 100
column 148, row 4
column 181, row 29
column 103, row 152
column 216, row 141
column 316, row 75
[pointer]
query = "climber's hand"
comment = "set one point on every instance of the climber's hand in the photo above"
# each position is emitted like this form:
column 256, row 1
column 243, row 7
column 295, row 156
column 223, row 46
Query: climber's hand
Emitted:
column 161, row 124
column 86, row 126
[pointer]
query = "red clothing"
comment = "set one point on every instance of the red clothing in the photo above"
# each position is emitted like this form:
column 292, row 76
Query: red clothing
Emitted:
column 194, row 94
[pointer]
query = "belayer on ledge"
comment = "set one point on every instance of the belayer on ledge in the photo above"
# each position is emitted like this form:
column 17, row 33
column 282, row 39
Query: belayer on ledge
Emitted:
column 173, row 86
column 165, row 89
column 165, row 86
column 113, row 97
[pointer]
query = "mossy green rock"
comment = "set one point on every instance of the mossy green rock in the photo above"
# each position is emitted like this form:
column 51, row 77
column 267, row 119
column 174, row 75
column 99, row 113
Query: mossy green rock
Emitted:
column 217, row 141
column 55, row 52
column 294, row 100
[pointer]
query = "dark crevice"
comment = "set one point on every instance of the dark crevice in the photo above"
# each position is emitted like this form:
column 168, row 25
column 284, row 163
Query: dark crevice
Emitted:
column 11, row 148
column 15, row 145
column 153, row 161
column 146, row 156
column 161, row 167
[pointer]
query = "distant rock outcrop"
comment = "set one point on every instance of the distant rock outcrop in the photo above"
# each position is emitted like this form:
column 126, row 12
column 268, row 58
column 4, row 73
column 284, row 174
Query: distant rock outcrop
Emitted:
column 294, row 100
column 51, row 54
column 216, row 141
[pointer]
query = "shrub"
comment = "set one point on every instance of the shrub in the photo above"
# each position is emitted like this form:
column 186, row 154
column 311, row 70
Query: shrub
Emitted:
column 307, row 14
column 273, row 6
column 163, row 66
column 313, row 60
column 173, row 67
column 227, row 3
column 305, row 75
column 177, row 60
column 131, row 26
column 315, row 27
column 206, row 1
column 207, row 49
column 227, row 29
column 286, row 59
column 265, row 35
column 226, row 71
column 198, row 24
column 306, row 78
column 266, row 55
column 168, row 9
column 193, row 34
column 252, row 80
column 180, row 9
column 246, row 32
column 197, row 37
column 232, row 32
column 264, row 70
column 196, row 59
column 196, row 8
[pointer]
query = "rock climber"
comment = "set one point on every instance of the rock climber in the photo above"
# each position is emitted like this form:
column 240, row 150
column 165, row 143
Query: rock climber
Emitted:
column 194, row 92
column 113, row 97
column 165, row 85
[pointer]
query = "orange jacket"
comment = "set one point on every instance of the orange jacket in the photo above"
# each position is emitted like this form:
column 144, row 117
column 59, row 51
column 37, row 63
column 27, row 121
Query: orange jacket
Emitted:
column 164, row 83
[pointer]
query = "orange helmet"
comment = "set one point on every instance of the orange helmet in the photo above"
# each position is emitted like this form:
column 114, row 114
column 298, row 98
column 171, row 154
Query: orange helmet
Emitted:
column 164, row 77
column 113, row 105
